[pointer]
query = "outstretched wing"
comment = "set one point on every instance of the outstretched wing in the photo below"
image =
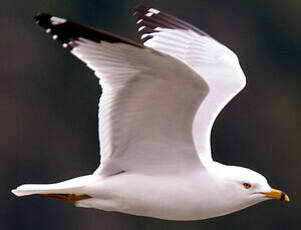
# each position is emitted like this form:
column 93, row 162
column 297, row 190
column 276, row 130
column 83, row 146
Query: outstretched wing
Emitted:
column 214, row 62
column 148, row 102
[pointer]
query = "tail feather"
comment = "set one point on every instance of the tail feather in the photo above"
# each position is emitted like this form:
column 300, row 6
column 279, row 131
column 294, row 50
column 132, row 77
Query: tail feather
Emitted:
column 73, row 186
column 31, row 189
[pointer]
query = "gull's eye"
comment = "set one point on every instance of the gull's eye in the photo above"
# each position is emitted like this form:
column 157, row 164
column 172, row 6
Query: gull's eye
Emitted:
column 247, row 185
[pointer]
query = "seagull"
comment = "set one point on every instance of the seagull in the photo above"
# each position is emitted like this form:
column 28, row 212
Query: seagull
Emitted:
column 158, row 105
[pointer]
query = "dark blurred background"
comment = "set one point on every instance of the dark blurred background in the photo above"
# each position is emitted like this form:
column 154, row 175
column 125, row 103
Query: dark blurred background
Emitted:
column 48, row 108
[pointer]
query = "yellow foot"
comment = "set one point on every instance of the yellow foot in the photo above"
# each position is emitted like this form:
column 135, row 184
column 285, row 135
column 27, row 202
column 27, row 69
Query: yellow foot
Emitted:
column 67, row 197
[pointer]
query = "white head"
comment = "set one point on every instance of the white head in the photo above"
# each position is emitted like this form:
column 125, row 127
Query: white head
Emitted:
column 240, row 187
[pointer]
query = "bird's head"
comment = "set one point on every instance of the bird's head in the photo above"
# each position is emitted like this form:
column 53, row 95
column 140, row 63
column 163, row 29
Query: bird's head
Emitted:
column 249, row 187
column 238, row 188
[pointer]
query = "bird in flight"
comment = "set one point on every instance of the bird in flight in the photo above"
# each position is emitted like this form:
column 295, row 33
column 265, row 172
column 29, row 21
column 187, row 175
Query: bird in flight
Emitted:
column 158, row 105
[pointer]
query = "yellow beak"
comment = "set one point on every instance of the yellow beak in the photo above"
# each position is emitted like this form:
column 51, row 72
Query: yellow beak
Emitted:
column 277, row 194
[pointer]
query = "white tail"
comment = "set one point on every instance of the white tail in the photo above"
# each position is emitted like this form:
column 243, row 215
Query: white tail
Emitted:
column 73, row 186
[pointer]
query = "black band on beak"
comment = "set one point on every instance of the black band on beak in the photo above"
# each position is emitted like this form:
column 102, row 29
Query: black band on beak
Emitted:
column 282, row 196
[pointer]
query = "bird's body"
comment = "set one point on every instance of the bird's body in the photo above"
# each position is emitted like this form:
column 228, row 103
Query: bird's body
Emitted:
column 156, row 112
column 177, row 196
column 172, row 196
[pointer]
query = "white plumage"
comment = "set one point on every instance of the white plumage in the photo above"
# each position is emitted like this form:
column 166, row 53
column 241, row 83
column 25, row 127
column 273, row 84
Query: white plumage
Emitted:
column 156, row 112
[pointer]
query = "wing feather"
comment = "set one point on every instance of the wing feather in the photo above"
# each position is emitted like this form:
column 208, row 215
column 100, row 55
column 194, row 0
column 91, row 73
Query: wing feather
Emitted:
column 214, row 62
column 148, row 101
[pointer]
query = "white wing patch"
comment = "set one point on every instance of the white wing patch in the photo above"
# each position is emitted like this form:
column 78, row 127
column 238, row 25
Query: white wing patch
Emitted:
column 154, row 11
column 57, row 21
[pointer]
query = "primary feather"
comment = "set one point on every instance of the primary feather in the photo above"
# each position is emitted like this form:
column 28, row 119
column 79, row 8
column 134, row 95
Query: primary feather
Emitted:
column 213, row 61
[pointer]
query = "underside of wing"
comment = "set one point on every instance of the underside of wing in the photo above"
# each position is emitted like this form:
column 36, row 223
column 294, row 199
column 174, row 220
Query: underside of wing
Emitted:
column 214, row 62
column 145, row 122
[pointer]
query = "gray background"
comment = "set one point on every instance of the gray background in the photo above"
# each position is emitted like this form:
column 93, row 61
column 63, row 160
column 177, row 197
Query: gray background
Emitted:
column 48, row 108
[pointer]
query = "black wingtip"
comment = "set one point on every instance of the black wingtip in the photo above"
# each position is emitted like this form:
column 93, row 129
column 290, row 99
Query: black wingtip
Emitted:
column 141, row 7
column 149, row 19
column 38, row 16
column 41, row 17
column 56, row 30
column 67, row 32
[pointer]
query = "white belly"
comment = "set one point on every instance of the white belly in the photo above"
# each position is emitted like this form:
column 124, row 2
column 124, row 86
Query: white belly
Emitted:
column 171, row 197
